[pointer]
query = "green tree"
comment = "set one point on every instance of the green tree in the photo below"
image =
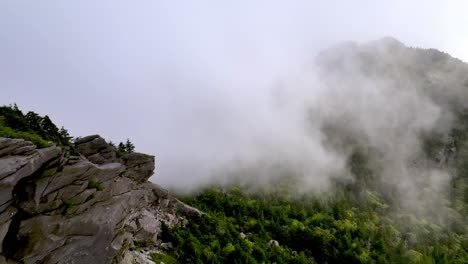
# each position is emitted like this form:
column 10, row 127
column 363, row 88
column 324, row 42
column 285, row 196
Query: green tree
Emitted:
column 129, row 147
column 34, row 121
column 65, row 136
column 121, row 148
column 33, row 127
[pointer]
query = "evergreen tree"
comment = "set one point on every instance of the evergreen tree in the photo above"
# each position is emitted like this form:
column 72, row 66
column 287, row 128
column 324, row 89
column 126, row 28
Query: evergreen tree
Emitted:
column 121, row 148
column 15, row 108
column 34, row 121
column 129, row 147
column 31, row 126
column 65, row 136
column 13, row 118
column 51, row 132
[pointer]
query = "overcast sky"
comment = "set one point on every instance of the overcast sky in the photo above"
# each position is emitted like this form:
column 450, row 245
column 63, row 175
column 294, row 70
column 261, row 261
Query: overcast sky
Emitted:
column 178, row 77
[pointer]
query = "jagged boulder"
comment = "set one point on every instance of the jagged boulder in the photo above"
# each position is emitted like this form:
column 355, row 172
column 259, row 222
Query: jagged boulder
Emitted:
column 96, row 149
column 17, row 162
column 61, row 208
column 140, row 166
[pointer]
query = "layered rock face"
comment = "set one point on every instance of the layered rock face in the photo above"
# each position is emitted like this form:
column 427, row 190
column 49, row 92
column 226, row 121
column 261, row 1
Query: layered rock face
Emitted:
column 86, row 207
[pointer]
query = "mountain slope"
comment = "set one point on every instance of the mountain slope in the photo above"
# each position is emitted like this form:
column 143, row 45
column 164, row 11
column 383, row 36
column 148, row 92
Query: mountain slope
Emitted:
column 398, row 117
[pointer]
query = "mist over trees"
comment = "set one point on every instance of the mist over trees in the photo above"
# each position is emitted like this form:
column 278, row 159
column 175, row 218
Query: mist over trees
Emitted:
column 378, row 176
column 373, row 169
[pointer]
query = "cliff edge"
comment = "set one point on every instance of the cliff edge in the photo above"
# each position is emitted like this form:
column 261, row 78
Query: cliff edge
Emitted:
column 88, row 205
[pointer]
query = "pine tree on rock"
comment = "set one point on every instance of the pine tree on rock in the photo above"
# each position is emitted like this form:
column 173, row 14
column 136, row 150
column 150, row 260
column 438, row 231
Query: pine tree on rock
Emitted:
column 129, row 147
column 64, row 136
column 121, row 148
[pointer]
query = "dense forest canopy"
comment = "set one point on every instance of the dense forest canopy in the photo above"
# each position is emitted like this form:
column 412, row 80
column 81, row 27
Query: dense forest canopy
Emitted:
column 362, row 221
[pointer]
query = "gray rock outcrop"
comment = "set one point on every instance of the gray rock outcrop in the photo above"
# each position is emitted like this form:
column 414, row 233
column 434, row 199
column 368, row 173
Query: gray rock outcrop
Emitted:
column 96, row 149
column 84, row 208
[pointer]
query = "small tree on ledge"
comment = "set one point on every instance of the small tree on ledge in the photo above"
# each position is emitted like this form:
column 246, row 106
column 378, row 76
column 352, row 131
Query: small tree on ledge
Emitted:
column 122, row 147
column 126, row 148
column 129, row 147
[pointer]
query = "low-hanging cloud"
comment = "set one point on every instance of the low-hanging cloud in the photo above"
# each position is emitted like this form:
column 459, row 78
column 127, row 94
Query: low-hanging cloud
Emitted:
column 307, row 124
column 222, row 91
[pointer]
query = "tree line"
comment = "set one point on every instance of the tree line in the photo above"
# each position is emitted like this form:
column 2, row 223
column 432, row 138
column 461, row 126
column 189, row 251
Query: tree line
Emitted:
column 31, row 126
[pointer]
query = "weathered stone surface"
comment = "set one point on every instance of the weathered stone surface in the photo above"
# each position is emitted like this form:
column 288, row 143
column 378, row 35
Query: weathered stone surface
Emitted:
column 139, row 166
column 87, row 235
column 132, row 257
column 4, row 142
column 57, row 208
column 187, row 210
column 96, row 149
column 14, row 146
column 86, row 139
column 69, row 184
column 158, row 190
column 25, row 150
column 148, row 226
column 15, row 168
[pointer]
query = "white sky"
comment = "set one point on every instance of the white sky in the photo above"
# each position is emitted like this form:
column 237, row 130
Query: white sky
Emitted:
column 177, row 77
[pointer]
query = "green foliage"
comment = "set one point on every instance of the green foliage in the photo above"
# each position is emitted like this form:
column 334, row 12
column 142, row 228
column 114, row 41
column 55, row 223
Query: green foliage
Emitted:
column 142, row 243
column 361, row 222
column 129, row 147
column 34, row 138
column 96, row 185
column 122, row 147
column 310, row 230
column 65, row 136
column 65, row 207
column 125, row 148
column 162, row 258
column 33, row 127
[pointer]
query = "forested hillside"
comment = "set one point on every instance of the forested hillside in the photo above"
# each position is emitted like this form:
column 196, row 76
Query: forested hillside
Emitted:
column 243, row 228
column 399, row 116
column 357, row 223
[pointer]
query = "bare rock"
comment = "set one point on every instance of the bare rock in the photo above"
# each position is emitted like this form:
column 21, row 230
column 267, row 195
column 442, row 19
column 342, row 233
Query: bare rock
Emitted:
column 13, row 146
column 140, row 166
column 5, row 221
column 188, row 210
column 96, row 149
column 273, row 243
column 86, row 139
column 88, row 208
column 15, row 168
column 132, row 257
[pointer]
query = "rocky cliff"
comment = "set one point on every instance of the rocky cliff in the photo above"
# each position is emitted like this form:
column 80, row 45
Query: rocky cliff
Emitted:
column 86, row 205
